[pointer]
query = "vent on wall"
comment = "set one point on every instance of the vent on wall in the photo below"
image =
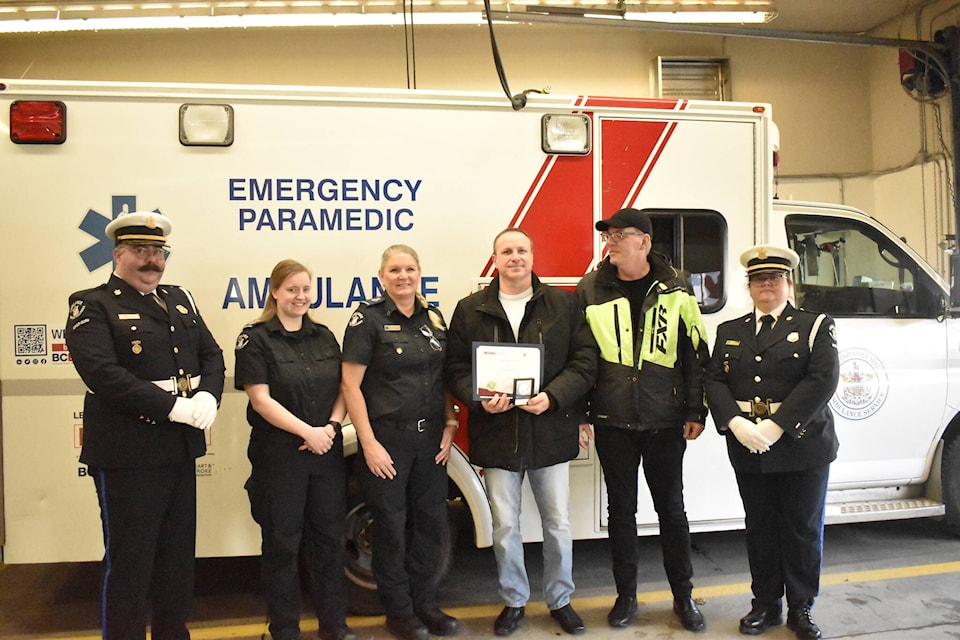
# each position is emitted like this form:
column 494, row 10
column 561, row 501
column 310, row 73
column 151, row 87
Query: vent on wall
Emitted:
column 693, row 78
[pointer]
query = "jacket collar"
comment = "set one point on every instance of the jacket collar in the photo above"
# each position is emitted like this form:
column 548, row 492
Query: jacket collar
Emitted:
column 120, row 288
column 274, row 325
column 491, row 295
column 662, row 271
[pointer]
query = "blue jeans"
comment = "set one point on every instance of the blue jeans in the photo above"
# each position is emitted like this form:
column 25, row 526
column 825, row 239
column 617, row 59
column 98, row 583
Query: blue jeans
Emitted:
column 551, row 490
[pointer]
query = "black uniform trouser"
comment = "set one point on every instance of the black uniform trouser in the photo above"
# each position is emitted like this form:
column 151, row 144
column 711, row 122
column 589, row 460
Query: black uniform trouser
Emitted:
column 149, row 520
column 622, row 452
column 410, row 519
column 299, row 500
column 784, row 517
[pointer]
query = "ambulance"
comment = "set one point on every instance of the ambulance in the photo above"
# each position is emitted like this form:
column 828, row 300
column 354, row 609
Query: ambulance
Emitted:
column 251, row 175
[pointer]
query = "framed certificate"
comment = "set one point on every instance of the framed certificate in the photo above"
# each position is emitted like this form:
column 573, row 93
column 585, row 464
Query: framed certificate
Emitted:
column 512, row 369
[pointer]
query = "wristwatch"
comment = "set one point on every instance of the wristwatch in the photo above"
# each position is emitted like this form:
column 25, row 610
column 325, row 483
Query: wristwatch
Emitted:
column 337, row 427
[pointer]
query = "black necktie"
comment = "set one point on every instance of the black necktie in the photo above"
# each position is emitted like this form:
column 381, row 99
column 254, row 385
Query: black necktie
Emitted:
column 159, row 300
column 766, row 324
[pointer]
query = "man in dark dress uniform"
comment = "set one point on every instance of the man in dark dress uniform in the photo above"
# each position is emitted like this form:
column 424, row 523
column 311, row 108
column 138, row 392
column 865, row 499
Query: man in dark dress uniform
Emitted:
column 154, row 375
column 772, row 374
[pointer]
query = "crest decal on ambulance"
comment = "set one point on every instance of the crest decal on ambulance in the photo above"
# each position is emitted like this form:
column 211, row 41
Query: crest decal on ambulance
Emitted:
column 863, row 385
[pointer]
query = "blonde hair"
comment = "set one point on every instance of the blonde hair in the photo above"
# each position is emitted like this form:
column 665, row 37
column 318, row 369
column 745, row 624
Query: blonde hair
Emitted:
column 395, row 249
column 281, row 271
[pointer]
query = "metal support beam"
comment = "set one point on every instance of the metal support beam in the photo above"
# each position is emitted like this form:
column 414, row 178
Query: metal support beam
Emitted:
column 717, row 30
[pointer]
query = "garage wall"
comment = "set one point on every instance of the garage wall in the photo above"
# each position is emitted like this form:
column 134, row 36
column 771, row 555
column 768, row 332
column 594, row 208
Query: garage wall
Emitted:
column 566, row 59
column 843, row 118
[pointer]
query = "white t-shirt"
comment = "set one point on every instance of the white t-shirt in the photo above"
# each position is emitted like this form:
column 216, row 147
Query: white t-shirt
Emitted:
column 515, row 305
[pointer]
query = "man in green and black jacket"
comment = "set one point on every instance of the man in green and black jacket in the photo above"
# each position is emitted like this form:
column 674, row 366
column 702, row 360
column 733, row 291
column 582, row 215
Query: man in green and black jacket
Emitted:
column 647, row 402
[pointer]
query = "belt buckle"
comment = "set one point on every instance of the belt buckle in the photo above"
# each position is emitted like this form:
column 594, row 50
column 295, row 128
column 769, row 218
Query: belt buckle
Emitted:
column 760, row 408
column 183, row 383
column 420, row 425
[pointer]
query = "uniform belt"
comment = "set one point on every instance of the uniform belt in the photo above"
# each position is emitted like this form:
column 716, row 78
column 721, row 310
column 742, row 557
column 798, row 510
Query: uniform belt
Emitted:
column 420, row 425
column 759, row 408
column 179, row 384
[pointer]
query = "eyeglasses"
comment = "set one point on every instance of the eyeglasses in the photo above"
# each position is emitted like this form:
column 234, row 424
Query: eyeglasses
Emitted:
column 617, row 236
column 147, row 250
column 427, row 332
column 768, row 279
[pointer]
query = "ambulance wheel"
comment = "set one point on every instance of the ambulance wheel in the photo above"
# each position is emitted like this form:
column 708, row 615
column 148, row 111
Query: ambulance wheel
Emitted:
column 362, row 593
column 362, row 588
column 950, row 482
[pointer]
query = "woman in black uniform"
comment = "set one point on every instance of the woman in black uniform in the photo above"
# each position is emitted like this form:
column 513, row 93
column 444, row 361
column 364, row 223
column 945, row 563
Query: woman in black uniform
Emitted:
column 772, row 374
column 289, row 367
column 393, row 356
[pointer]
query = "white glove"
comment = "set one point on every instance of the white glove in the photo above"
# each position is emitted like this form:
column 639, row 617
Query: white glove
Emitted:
column 748, row 435
column 182, row 411
column 205, row 411
column 770, row 430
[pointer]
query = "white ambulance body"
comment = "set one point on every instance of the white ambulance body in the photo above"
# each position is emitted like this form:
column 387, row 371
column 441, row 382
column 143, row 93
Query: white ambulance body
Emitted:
column 332, row 177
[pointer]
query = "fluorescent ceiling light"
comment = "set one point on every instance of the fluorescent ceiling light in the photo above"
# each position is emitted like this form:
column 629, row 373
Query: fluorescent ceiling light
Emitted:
column 245, row 21
column 703, row 17
column 702, row 12
column 51, row 16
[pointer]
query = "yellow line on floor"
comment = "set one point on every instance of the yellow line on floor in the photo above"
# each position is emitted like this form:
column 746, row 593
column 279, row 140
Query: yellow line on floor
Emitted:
column 593, row 602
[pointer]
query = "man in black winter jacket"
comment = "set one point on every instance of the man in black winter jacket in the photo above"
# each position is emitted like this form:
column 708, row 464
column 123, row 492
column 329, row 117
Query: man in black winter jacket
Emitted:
column 511, row 440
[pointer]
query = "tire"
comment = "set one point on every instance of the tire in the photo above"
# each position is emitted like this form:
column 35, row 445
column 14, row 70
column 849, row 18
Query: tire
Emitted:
column 950, row 484
column 362, row 586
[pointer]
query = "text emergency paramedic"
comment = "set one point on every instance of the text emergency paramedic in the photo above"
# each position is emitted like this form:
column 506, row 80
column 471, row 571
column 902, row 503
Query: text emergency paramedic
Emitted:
column 325, row 190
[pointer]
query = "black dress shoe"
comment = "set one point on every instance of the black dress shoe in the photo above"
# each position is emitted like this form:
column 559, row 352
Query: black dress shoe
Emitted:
column 801, row 623
column 407, row 627
column 342, row 632
column 759, row 620
column 508, row 620
column 623, row 611
column 690, row 616
column 439, row 623
column 568, row 619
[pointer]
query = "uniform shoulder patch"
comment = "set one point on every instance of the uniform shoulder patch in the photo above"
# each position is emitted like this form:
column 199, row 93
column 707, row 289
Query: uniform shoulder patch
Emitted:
column 242, row 340
column 77, row 309
column 356, row 319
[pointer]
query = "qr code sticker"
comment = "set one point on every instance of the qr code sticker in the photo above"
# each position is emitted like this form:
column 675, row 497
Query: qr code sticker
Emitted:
column 31, row 339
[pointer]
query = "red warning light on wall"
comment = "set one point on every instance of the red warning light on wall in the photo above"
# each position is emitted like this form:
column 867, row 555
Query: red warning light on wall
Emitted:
column 38, row 122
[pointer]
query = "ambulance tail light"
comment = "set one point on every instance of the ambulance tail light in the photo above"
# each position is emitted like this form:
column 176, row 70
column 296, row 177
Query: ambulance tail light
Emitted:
column 567, row 134
column 206, row 125
column 38, row 122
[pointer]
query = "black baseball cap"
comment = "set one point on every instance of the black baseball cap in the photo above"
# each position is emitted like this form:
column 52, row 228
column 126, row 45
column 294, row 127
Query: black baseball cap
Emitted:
column 628, row 217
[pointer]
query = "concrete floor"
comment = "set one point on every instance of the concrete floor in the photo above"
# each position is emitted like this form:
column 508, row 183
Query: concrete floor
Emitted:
column 880, row 581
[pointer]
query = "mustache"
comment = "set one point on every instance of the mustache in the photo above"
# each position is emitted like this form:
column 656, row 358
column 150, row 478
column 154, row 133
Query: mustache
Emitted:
column 150, row 267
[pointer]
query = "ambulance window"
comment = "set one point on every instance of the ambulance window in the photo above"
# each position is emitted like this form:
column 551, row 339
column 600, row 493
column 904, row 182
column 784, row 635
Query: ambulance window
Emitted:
column 848, row 268
column 693, row 240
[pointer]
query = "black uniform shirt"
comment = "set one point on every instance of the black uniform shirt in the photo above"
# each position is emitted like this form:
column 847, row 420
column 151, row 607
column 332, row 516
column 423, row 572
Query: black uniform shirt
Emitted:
column 302, row 369
column 404, row 359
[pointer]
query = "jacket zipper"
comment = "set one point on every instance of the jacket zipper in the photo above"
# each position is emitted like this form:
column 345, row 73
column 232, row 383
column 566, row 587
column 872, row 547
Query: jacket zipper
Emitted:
column 616, row 329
